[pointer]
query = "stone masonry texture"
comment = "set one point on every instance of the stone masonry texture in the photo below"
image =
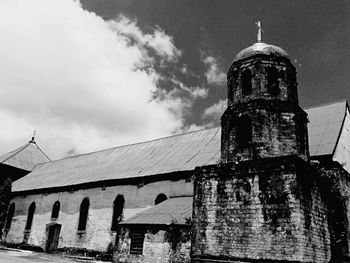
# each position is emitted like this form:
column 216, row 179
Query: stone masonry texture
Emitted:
column 259, row 210
column 164, row 244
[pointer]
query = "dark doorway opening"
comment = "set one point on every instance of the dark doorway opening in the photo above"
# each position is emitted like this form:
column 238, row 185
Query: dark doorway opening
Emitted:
column 53, row 236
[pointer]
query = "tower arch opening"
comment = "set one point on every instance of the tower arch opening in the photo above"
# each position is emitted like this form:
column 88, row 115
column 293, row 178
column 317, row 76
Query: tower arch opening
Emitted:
column 272, row 81
column 243, row 131
column 246, row 79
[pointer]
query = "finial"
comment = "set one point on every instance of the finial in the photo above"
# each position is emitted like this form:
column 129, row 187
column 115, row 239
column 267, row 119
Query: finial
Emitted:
column 260, row 31
column 33, row 137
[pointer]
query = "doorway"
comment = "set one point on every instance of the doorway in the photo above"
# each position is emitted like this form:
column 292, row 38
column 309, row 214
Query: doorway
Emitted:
column 53, row 236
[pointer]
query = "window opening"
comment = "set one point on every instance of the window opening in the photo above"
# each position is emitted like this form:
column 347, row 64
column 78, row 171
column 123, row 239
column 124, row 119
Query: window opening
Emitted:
column 55, row 210
column 10, row 216
column 30, row 216
column 84, row 211
column 136, row 244
column 160, row 198
column 118, row 207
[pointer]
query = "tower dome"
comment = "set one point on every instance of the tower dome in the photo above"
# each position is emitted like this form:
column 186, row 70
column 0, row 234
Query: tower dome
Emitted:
column 261, row 48
column 263, row 117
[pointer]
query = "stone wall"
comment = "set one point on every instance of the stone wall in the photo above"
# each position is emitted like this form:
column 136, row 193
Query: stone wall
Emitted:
column 267, row 209
column 336, row 186
column 98, row 235
column 162, row 244
column 277, row 128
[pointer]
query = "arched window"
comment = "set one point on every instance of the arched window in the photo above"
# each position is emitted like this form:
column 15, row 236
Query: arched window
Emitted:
column 246, row 82
column 118, row 207
column 160, row 198
column 30, row 216
column 272, row 81
column 10, row 216
column 244, row 131
column 55, row 210
column 84, row 211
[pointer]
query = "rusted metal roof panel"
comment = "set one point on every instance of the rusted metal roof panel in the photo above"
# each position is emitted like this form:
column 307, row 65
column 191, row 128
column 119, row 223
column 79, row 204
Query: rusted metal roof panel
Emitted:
column 172, row 211
column 175, row 153
column 324, row 127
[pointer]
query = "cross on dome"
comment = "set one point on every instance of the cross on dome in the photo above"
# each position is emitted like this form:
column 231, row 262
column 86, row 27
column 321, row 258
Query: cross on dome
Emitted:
column 260, row 31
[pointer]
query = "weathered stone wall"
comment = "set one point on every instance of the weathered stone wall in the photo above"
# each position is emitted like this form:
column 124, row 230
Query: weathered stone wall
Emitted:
column 162, row 244
column 336, row 186
column 260, row 210
column 277, row 130
column 98, row 235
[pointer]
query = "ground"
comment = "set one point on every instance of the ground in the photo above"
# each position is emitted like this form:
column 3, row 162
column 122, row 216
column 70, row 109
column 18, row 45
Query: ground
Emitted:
column 23, row 256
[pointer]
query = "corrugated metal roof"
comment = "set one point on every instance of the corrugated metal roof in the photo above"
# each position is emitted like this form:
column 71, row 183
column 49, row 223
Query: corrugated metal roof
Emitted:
column 172, row 211
column 176, row 153
column 25, row 157
column 325, row 126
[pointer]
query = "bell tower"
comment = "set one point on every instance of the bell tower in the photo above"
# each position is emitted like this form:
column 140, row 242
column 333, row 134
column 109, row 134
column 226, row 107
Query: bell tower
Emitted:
column 263, row 118
column 261, row 203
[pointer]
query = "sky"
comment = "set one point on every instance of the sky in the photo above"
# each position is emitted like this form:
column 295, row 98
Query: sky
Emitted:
column 96, row 74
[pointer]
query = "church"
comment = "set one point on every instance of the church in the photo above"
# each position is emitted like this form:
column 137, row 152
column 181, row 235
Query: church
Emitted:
column 270, row 185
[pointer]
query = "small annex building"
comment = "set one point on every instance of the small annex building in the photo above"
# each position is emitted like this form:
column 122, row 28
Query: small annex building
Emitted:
column 168, row 199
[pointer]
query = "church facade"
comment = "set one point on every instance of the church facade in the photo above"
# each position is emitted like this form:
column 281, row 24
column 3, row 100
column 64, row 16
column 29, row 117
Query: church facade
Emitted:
column 272, row 184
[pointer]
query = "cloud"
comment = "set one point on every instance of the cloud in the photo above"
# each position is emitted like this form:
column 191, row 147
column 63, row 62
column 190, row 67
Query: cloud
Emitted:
column 216, row 109
column 83, row 83
column 194, row 92
column 214, row 73
column 213, row 113
column 157, row 41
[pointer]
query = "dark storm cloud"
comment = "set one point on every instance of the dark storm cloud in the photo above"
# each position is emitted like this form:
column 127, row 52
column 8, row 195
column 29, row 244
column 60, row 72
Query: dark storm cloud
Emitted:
column 314, row 32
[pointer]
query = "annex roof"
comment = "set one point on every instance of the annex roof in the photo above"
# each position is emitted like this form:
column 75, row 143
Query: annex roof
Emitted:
column 166, row 155
column 25, row 157
column 325, row 126
column 175, row 210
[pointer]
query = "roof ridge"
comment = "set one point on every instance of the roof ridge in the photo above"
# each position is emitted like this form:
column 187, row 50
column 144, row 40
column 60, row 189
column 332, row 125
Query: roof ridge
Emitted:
column 325, row 104
column 37, row 146
column 136, row 143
